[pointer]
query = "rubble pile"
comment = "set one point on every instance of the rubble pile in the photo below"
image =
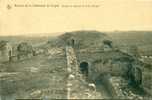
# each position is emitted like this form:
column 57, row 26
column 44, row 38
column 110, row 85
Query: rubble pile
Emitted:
column 77, row 87
column 118, row 83
column 55, row 51
column 72, row 63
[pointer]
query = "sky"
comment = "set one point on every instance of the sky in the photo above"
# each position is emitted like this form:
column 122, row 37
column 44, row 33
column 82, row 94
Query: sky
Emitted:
column 110, row 15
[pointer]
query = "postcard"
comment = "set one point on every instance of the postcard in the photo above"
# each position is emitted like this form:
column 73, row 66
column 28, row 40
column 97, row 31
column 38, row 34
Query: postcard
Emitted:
column 75, row 49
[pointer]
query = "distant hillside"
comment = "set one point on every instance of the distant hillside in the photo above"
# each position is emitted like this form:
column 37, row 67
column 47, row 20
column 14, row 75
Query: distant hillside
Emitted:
column 17, row 39
column 131, row 37
column 141, row 39
column 85, row 38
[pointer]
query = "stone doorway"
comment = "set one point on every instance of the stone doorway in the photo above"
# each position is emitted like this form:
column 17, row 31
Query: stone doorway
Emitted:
column 84, row 68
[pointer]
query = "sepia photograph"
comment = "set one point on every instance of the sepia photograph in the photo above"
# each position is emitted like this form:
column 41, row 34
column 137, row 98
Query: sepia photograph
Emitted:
column 76, row 49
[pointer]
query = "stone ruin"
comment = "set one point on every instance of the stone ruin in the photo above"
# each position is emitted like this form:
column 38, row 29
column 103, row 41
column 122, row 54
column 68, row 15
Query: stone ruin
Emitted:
column 95, row 63
column 24, row 50
column 5, row 51
column 18, row 52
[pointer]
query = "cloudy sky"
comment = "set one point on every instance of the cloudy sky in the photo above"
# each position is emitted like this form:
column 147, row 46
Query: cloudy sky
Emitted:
column 108, row 16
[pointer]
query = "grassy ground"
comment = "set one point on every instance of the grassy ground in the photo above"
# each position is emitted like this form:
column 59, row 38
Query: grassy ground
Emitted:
column 45, row 76
column 39, row 77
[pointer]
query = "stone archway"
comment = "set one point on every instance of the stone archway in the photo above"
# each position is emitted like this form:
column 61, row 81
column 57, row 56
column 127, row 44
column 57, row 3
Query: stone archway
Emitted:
column 84, row 68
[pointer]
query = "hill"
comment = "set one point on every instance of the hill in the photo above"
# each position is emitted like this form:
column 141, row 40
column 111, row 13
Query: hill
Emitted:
column 141, row 39
column 83, row 39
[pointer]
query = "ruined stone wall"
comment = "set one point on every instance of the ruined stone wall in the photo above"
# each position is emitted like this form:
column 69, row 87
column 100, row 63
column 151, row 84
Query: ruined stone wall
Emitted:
column 5, row 53
column 105, row 62
column 147, row 79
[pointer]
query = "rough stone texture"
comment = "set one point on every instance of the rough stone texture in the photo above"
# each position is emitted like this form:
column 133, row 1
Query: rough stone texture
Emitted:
column 5, row 51
column 117, row 84
column 54, row 75
column 78, row 87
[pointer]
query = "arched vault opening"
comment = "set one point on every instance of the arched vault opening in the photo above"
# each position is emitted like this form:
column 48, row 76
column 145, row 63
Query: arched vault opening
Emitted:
column 72, row 42
column 84, row 68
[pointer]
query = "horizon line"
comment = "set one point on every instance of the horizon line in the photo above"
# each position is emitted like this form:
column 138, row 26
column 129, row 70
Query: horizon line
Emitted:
column 36, row 34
